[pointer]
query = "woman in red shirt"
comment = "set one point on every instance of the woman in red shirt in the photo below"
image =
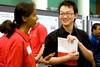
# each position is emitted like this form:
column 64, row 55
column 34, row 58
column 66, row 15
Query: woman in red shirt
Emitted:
column 18, row 50
column 5, row 28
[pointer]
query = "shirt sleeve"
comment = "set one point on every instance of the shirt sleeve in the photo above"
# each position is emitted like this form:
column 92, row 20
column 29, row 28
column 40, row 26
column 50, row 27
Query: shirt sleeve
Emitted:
column 86, row 42
column 50, row 46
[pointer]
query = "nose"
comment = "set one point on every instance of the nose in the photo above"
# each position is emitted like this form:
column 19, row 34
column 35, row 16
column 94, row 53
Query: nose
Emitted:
column 65, row 16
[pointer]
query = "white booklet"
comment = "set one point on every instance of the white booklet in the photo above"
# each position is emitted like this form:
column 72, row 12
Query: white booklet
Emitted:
column 65, row 46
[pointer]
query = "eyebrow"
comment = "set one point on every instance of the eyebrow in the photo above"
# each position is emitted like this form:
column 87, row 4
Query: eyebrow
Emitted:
column 63, row 11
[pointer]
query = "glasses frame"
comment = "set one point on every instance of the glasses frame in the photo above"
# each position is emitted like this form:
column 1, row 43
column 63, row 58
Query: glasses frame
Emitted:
column 67, row 14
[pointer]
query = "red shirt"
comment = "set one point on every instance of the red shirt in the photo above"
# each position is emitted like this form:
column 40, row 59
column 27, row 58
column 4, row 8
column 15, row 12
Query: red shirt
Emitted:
column 37, row 34
column 19, row 53
column 3, row 43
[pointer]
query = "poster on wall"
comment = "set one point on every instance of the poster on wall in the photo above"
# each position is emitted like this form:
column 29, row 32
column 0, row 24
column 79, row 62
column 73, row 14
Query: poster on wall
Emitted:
column 95, row 22
column 79, row 24
column 6, row 16
column 50, row 22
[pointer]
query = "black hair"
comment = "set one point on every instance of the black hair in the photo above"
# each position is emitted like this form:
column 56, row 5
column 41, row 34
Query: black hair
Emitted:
column 7, row 27
column 22, row 9
column 94, row 26
column 69, row 4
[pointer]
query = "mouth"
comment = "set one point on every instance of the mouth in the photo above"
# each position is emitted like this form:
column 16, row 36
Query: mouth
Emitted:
column 65, row 21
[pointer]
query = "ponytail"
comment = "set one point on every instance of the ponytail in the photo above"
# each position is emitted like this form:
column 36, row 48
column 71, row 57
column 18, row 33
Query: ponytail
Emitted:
column 8, row 28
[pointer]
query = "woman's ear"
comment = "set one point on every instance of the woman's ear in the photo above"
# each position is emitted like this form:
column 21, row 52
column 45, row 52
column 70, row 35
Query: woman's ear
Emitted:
column 24, row 18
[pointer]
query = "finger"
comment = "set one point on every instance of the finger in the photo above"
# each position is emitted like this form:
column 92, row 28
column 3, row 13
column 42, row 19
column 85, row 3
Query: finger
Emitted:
column 49, row 56
column 70, row 38
column 44, row 62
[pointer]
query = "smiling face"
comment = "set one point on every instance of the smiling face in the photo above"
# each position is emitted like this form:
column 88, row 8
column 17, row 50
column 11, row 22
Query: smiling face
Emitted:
column 67, row 15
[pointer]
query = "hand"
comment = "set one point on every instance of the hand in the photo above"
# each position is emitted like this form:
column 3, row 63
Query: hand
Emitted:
column 71, row 38
column 36, row 59
column 73, row 56
column 46, row 59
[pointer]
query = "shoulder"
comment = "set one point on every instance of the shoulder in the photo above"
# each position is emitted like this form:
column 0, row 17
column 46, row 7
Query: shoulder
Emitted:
column 39, row 25
column 81, row 32
column 3, row 38
column 16, row 41
column 53, row 34
column 16, row 37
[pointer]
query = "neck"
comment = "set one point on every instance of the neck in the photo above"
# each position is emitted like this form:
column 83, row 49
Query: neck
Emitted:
column 68, row 28
column 25, row 29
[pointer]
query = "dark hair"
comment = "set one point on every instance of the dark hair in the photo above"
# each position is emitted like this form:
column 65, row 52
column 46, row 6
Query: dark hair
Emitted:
column 22, row 9
column 94, row 26
column 69, row 4
column 7, row 28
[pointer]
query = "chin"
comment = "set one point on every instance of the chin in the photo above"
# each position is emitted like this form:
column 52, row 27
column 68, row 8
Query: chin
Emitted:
column 33, row 26
column 65, row 24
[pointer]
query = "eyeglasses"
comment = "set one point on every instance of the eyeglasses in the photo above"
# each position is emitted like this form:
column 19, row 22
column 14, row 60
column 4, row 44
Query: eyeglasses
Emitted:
column 67, row 14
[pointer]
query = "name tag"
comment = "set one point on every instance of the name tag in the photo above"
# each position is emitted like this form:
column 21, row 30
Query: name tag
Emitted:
column 29, row 50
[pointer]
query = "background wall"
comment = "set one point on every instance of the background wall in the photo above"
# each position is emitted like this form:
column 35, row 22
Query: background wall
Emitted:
column 53, row 3
column 98, row 7
column 94, row 8
column 12, row 2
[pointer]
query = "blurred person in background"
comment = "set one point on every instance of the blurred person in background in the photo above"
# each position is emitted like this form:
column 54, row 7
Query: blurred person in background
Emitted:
column 95, row 42
column 5, row 28
column 37, row 34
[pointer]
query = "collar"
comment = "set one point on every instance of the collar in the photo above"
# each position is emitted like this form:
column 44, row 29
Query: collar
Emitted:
column 63, row 31
column 95, row 36
column 25, row 36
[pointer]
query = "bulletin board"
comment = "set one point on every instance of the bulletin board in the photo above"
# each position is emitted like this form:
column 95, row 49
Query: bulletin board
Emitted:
column 48, row 18
column 91, row 22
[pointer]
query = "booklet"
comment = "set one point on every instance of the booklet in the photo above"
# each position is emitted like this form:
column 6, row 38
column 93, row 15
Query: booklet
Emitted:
column 64, row 47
